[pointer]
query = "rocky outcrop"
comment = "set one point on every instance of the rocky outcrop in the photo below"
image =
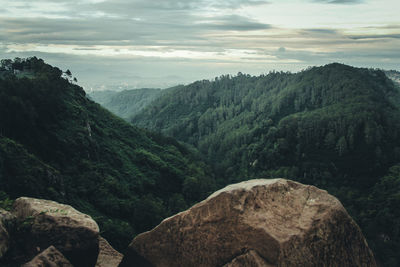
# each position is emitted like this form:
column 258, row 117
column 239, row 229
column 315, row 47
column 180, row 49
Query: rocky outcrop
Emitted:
column 7, row 223
column 50, row 257
column 46, row 223
column 4, row 236
column 270, row 223
column 4, row 240
column 249, row 259
column 108, row 256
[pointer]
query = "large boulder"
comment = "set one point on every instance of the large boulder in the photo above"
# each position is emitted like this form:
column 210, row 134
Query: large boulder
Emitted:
column 50, row 257
column 262, row 222
column 6, row 221
column 4, row 239
column 108, row 256
column 250, row 259
column 44, row 223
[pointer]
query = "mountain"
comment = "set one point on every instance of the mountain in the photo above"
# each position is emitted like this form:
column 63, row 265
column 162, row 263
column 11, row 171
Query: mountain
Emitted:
column 126, row 103
column 55, row 143
column 334, row 126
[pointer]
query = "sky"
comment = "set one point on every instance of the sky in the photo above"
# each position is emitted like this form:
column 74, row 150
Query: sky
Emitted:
column 110, row 44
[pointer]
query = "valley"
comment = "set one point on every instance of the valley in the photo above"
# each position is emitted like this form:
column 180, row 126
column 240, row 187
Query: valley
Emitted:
column 336, row 127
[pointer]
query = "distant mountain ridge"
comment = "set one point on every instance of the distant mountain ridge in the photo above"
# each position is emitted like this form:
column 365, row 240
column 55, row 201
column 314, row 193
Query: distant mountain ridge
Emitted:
column 335, row 126
column 126, row 103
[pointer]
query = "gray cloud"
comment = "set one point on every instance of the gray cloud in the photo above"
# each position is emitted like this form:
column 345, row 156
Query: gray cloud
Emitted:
column 320, row 31
column 86, row 49
column 375, row 36
column 167, row 26
column 133, row 7
column 390, row 27
column 233, row 23
column 237, row 3
column 117, row 31
column 340, row 1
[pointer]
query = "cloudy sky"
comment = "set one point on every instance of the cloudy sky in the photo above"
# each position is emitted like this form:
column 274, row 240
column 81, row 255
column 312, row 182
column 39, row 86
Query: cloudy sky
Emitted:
column 158, row 43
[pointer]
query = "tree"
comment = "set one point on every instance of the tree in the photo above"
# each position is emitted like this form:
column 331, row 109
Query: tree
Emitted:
column 342, row 146
column 68, row 73
column 6, row 63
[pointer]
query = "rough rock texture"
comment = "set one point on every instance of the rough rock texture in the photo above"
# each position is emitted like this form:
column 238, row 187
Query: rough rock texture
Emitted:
column 249, row 259
column 4, row 240
column 272, row 222
column 50, row 257
column 108, row 256
column 48, row 223
column 6, row 218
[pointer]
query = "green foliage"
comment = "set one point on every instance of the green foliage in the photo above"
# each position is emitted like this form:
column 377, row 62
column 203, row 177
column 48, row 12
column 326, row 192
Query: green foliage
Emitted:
column 381, row 218
column 335, row 126
column 23, row 174
column 394, row 76
column 57, row 144
column 24, row 226
column 5, row 202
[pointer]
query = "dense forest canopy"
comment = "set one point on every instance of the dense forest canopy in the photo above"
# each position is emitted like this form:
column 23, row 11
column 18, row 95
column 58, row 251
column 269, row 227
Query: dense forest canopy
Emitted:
column 335, row 126
column 57, row 144
column 393, row 75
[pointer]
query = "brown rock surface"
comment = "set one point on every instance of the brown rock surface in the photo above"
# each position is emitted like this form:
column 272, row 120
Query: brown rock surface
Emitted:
column 249, row 259
column 48, row 223
column 50, row 257
column 108, row 256
column 273, row 222
column 4, row 240
column 6, row 218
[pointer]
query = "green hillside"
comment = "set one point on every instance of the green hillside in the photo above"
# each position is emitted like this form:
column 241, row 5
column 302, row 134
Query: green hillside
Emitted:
column 335, row 126
column 126, row 103
column 55, row 143
column 393, row 75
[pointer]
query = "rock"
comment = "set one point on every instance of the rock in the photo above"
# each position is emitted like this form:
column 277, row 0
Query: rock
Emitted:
column 262, row 222
column 50, row 257
column 6, row 219
column 4, row 240
column 249, row 259
column 47, row 223
column 108, row 256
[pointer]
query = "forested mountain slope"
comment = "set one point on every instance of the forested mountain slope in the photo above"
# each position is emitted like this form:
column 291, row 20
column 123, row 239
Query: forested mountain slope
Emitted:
column 335, row 126
column 126, row 103
column 393, row 75
column 57, row 144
